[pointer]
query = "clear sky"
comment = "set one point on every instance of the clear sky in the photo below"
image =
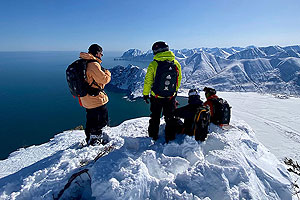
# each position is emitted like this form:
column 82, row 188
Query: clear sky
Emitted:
column 118, row 25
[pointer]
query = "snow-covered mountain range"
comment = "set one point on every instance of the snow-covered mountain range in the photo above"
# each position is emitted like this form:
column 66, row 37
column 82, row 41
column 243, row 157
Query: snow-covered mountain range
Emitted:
column 272, row 69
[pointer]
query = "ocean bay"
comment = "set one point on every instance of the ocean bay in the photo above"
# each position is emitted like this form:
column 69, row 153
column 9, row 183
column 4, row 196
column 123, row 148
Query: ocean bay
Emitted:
column 36, row 103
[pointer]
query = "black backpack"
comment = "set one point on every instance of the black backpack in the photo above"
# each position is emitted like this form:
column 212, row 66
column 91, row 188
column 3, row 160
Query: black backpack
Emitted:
column 76, row 78
column 166, row 78
column 201, row 123
column 221, row 111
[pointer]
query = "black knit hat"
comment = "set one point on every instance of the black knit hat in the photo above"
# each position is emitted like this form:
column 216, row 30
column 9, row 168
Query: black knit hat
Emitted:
column 94, row 49
column 159, row 46
column 209, row 91
column 193, row 92
column 194, row 97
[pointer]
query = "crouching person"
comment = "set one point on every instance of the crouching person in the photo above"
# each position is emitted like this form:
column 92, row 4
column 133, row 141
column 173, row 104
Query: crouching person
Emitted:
column 220, row 110
column 196, row 117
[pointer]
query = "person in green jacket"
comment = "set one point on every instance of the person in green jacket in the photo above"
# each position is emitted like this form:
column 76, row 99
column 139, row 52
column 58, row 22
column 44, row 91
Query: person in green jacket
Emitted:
column 162, row 80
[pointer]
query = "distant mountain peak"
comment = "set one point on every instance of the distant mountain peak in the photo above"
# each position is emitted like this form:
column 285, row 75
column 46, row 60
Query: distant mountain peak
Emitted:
column 251, row 47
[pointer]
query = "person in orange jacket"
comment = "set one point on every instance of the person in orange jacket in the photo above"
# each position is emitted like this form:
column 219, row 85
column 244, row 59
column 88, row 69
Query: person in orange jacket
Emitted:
column 96, row 110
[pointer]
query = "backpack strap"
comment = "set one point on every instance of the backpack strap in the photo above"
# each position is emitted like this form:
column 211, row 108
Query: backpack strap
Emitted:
column 177, row 75
column 213, row 103
column 197, row 117
column 80, row 103
column 98, row 86
column 94, row 82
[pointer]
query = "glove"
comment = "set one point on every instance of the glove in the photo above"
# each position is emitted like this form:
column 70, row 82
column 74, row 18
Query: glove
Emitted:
column 146, row 98
column 176, row 103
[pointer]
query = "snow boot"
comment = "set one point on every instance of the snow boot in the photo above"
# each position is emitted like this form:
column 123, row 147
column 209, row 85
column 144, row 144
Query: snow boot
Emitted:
column 98, row 139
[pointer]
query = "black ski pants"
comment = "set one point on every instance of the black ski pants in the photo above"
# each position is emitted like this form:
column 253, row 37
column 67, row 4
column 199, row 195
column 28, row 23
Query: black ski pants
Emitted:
column 158, row 106
column 188, row 113
column 96, row 119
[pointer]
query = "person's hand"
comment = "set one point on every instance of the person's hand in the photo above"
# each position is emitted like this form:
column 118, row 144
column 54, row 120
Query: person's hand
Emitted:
column 107, row 72
column 146, row 98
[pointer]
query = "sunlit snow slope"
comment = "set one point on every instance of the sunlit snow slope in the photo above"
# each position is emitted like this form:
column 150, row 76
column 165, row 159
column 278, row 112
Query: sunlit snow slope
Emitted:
column 230, row 164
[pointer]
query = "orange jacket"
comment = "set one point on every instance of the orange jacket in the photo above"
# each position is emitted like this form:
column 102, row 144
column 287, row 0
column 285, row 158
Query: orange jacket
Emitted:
column 210, row 104
column 95, row 73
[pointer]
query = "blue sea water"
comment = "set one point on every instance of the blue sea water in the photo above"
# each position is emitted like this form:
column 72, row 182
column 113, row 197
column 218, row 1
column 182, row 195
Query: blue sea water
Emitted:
column 36, row 104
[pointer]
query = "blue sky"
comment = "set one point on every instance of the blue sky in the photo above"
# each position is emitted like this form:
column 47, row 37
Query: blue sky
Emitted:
column 119, row 25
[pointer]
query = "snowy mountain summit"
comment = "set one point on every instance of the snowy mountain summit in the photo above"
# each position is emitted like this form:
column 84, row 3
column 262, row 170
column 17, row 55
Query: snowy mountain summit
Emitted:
column 230, row 164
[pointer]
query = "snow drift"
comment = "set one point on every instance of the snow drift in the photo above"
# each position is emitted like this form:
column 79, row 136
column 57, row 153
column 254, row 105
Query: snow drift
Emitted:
column 230, row 164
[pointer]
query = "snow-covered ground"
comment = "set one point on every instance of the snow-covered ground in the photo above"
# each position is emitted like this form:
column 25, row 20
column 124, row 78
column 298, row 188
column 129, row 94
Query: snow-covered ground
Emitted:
column 275, row 119
column 230, row 164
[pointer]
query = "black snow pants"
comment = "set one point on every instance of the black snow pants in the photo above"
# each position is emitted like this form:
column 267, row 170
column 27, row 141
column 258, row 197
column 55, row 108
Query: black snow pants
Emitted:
column 188, row 113
column 96, row 119
column 165, row 106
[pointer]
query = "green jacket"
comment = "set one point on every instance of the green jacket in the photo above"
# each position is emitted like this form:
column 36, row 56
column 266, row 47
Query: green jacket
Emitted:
column 151, row 71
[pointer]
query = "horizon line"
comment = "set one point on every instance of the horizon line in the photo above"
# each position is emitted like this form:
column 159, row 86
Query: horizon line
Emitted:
column 3, row 51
